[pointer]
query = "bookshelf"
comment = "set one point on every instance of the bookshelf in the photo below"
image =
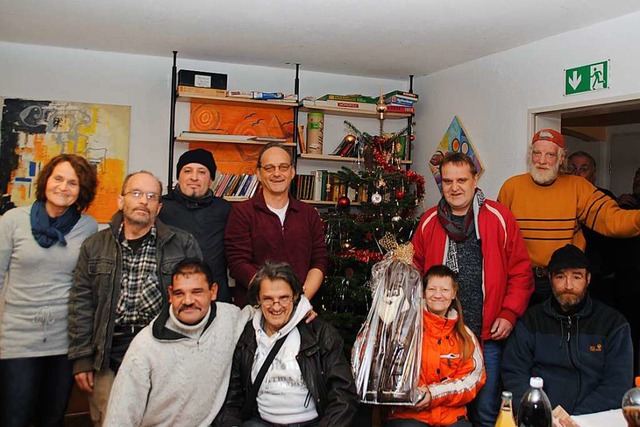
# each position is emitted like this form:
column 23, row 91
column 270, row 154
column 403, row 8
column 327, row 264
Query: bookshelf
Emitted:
column 234, row 153
column 367, row 120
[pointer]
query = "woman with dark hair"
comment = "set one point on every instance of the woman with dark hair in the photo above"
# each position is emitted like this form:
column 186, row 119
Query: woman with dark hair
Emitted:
column 39, row 246
column 452, row 369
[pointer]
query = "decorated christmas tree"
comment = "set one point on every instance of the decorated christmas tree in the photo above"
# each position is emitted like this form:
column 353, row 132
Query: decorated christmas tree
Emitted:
column 359, row 236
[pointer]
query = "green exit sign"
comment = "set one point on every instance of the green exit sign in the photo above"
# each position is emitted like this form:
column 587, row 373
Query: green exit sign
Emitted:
column 586, row 78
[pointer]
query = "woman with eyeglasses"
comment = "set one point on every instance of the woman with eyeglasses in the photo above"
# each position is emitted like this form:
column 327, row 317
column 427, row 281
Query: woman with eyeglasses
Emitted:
column 452, row 368
column 286, row 371
column 39, row 246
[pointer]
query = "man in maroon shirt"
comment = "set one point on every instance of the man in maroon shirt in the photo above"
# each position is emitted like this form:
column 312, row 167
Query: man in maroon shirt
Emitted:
column 273, row 226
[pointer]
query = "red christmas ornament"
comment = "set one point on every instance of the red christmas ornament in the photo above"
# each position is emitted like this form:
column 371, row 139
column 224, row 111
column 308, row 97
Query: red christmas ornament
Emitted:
column 400, row 194
column 413, row 137
column 343, row 202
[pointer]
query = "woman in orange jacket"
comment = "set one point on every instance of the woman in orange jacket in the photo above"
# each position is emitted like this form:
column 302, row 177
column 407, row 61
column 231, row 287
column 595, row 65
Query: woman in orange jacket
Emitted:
column 452, row 369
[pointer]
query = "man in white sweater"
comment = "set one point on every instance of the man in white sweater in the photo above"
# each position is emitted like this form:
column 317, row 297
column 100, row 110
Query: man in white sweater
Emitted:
column 176, row 371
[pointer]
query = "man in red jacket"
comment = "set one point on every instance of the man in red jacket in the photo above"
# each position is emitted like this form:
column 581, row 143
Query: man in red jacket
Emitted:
column 480, row 240
column 273, row 226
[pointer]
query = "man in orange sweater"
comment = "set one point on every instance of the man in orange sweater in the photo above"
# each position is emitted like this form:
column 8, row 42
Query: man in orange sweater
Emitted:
column 551, row 206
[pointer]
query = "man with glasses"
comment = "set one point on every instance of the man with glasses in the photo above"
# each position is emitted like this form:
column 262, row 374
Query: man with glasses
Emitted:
column 274, row 226
column 297, row 372
column 120, row 284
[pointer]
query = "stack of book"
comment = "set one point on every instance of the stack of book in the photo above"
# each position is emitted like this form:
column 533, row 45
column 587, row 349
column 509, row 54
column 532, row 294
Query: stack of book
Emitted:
column 349, row 102
column 399, row 101
column 234, row 185
column 263, row 96
column 347, row 148
column 304, row 187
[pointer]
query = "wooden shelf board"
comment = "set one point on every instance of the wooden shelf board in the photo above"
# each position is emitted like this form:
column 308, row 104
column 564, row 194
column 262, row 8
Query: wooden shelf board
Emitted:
column 335, row 111
column 326, row 202
column 235, row 199
column 229, row 141
column 194, row 97
column 330, row 158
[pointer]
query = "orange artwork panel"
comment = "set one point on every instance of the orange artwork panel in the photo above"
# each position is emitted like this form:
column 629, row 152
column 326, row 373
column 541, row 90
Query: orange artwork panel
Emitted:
column 250, row 120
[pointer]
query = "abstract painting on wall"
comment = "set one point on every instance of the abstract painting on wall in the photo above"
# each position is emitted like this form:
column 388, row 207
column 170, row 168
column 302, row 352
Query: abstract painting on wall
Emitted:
column 32, row 132
column 455, row 140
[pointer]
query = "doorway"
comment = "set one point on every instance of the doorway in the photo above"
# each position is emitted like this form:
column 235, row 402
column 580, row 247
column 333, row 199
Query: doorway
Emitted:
column 608, row 130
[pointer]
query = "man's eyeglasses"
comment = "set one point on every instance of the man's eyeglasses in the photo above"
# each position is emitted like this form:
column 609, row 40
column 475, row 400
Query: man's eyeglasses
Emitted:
column 137, row 194
column 270, row 302
column 283, row 167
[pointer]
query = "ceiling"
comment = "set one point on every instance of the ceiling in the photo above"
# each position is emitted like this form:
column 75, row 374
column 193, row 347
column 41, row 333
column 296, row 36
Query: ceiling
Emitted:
column 376, row 38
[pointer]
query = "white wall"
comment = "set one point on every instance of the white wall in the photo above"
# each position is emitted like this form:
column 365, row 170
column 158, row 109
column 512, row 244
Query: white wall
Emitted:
column 492, row 95
column 143, row 82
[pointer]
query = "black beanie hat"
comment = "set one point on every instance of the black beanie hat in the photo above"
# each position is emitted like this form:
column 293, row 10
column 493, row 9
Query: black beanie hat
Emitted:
column 200, row 156
column 568, row 256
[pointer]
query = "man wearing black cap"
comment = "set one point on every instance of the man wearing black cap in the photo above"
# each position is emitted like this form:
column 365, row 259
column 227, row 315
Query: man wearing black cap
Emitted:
column 580, row 347
column 192, row 207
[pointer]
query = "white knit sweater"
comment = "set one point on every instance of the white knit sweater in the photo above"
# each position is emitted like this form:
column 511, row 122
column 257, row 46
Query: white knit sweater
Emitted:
column 177, row 382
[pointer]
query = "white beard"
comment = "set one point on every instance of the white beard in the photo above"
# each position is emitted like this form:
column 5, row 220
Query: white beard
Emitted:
column 543, row 177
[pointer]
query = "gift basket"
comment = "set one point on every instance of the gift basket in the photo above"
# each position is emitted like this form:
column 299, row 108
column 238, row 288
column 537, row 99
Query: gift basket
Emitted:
column 387, row 352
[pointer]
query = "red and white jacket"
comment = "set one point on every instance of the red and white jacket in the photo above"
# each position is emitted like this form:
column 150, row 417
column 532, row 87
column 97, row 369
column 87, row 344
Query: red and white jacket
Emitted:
column 452, row 382
column 507, row 280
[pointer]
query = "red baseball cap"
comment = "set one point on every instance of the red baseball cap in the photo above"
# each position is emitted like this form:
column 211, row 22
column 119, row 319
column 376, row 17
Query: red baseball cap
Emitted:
column 549, row 135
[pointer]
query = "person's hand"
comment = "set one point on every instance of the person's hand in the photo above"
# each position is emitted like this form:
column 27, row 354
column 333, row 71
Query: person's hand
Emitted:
column 425, row 401
column 308, row 318
column 501, row 329
column 85, row 381
column 628, row 201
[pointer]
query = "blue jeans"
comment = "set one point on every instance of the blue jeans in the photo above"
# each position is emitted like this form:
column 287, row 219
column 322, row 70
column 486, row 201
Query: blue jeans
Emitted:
column 483, row 410
column 34, row 389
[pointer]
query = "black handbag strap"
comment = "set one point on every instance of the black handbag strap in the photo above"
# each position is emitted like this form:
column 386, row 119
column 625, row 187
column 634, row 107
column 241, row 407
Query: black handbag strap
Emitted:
column 253, row 392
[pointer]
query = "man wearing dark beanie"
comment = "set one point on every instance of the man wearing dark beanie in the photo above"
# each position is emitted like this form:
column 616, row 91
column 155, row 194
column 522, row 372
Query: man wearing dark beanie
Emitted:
column 581, row 347
column 192, row 207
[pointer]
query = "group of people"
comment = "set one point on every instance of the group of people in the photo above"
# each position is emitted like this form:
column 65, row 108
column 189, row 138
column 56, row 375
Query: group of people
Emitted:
column 142, row 316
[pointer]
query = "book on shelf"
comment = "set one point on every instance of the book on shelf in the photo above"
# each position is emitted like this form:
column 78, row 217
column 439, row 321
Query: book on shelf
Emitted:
column 402, row 94
column 349, row 98
column 215, row 136
column 344, row 148
column 219, row 190
column 247, row 184
column 216, row 181
column 253, row 187
column 269, row 139
column 400, row 109
column 238, row 94
column 347, row 105
column 266, row 95
column 192, row 90
column 302, row 145
column 396, row 100
column 317, row 184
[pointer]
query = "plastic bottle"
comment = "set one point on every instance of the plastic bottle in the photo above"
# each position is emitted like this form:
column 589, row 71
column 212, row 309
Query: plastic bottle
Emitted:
column 505, row 417
column 631, row 405
column 535, row 408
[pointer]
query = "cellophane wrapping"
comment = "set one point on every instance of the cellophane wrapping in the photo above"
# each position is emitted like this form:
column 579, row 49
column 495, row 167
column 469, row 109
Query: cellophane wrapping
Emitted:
column 387, row 352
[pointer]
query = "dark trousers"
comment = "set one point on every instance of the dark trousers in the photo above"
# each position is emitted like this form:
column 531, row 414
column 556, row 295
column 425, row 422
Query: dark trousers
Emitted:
column 542, row 290
column 34, row 390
